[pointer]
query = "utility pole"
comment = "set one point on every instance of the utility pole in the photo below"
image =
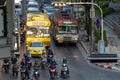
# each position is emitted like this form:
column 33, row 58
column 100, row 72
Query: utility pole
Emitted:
column 24, row 14
column 10, row 24
column 101, row 45
column 92, row 13
column 24, row 9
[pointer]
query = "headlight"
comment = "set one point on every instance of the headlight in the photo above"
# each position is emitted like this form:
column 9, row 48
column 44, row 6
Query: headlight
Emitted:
column 58, row 38
column 43, row 51
column 30, row 50
column 36, row 72
column 75, row 38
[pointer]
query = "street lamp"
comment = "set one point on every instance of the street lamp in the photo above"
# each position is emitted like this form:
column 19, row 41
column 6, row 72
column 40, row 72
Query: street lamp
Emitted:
column 101, row 44
column 76, row 3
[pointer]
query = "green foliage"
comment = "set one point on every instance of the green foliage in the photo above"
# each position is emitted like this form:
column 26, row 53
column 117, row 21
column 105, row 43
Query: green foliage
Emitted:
column 107, row 11
column 97, row 34
column 105, row 37
column 104, row 5
column 82, row 13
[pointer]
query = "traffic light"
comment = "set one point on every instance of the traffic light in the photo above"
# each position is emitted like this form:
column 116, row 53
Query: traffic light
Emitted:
column 58, row 4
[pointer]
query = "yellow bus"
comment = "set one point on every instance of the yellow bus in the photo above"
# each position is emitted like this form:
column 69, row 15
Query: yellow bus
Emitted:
column 38, row 28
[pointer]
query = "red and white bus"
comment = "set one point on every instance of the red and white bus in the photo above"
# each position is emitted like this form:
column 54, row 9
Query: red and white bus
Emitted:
column 64, row 28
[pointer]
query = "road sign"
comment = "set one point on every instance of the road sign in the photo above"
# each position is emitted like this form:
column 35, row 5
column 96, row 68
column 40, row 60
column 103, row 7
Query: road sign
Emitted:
column 97, row 23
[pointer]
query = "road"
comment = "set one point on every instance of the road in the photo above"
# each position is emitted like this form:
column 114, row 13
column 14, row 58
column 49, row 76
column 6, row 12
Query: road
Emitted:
column 79, row 67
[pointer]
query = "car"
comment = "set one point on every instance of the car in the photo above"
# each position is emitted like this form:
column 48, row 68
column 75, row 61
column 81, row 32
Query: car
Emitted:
column 50, row 11
column 46, row 6
column 18, row 8
column 32, row 1
column 33, row 4
column 36, row 48
column 67, row 8
column 33, row 10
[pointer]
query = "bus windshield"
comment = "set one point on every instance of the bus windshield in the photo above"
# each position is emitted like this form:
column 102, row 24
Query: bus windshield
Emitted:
column 35, row 32
column 66, row 29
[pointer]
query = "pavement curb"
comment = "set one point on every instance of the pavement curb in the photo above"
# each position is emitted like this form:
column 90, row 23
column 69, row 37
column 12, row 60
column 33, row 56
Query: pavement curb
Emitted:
column 84, row 46
column 110, row 67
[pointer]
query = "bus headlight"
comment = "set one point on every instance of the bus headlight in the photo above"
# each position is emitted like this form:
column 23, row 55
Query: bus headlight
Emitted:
column 58, row 38
column 75, row 38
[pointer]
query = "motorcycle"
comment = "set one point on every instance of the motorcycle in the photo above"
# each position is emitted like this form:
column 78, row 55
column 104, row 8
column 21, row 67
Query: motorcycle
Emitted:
column 15, row 70
column 43, row 65
column 23, row 73
column 49, row 58
column 64, row 71
column 53, row 73
column 22, row 39
column 6, row 66
column 36, row 74
column 29, row 63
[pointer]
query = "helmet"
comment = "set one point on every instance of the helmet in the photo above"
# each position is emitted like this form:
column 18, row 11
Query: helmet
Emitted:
column 23, row 59
column 49, row 49
column 36, row 61
column 64, row 58
column 27, row 51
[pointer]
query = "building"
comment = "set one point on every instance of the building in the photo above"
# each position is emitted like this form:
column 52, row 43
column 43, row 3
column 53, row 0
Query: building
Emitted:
column 7, row 40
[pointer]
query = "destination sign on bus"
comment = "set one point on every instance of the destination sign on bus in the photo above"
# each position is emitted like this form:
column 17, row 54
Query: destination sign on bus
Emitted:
column 36, row 23
column 67, row 22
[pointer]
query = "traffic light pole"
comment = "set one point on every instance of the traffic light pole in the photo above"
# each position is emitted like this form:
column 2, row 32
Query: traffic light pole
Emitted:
column 92, row 26
column 24, row 9
column 76, row 3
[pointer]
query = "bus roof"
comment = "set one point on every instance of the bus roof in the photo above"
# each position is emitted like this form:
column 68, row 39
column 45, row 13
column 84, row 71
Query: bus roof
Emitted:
column 64, row 16
column 37, row 16
column 38, row 19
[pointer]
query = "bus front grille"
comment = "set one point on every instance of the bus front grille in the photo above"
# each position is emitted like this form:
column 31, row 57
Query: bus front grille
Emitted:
column 67, row 38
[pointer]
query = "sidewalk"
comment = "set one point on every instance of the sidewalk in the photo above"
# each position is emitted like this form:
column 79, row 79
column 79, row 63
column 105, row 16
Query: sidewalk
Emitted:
column 5, row 50
column 113, row 47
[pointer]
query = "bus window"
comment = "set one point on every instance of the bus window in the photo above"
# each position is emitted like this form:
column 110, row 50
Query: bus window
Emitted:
column 62, row 29
column 72, row 30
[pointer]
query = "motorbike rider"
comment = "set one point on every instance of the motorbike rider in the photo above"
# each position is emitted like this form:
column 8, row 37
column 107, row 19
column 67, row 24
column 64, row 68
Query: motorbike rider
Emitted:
column 27, row 55
column 13, row 59
column 52, row 64
column 26, row 71
column 50, row 55
column 28, row 58
column 44, row 61
column 65, row 61
column 36, row 64
column 24, row 65
column 64, row 65
column 5, row 61
column 44, row 58
column 36, row 68
column 15, row 69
